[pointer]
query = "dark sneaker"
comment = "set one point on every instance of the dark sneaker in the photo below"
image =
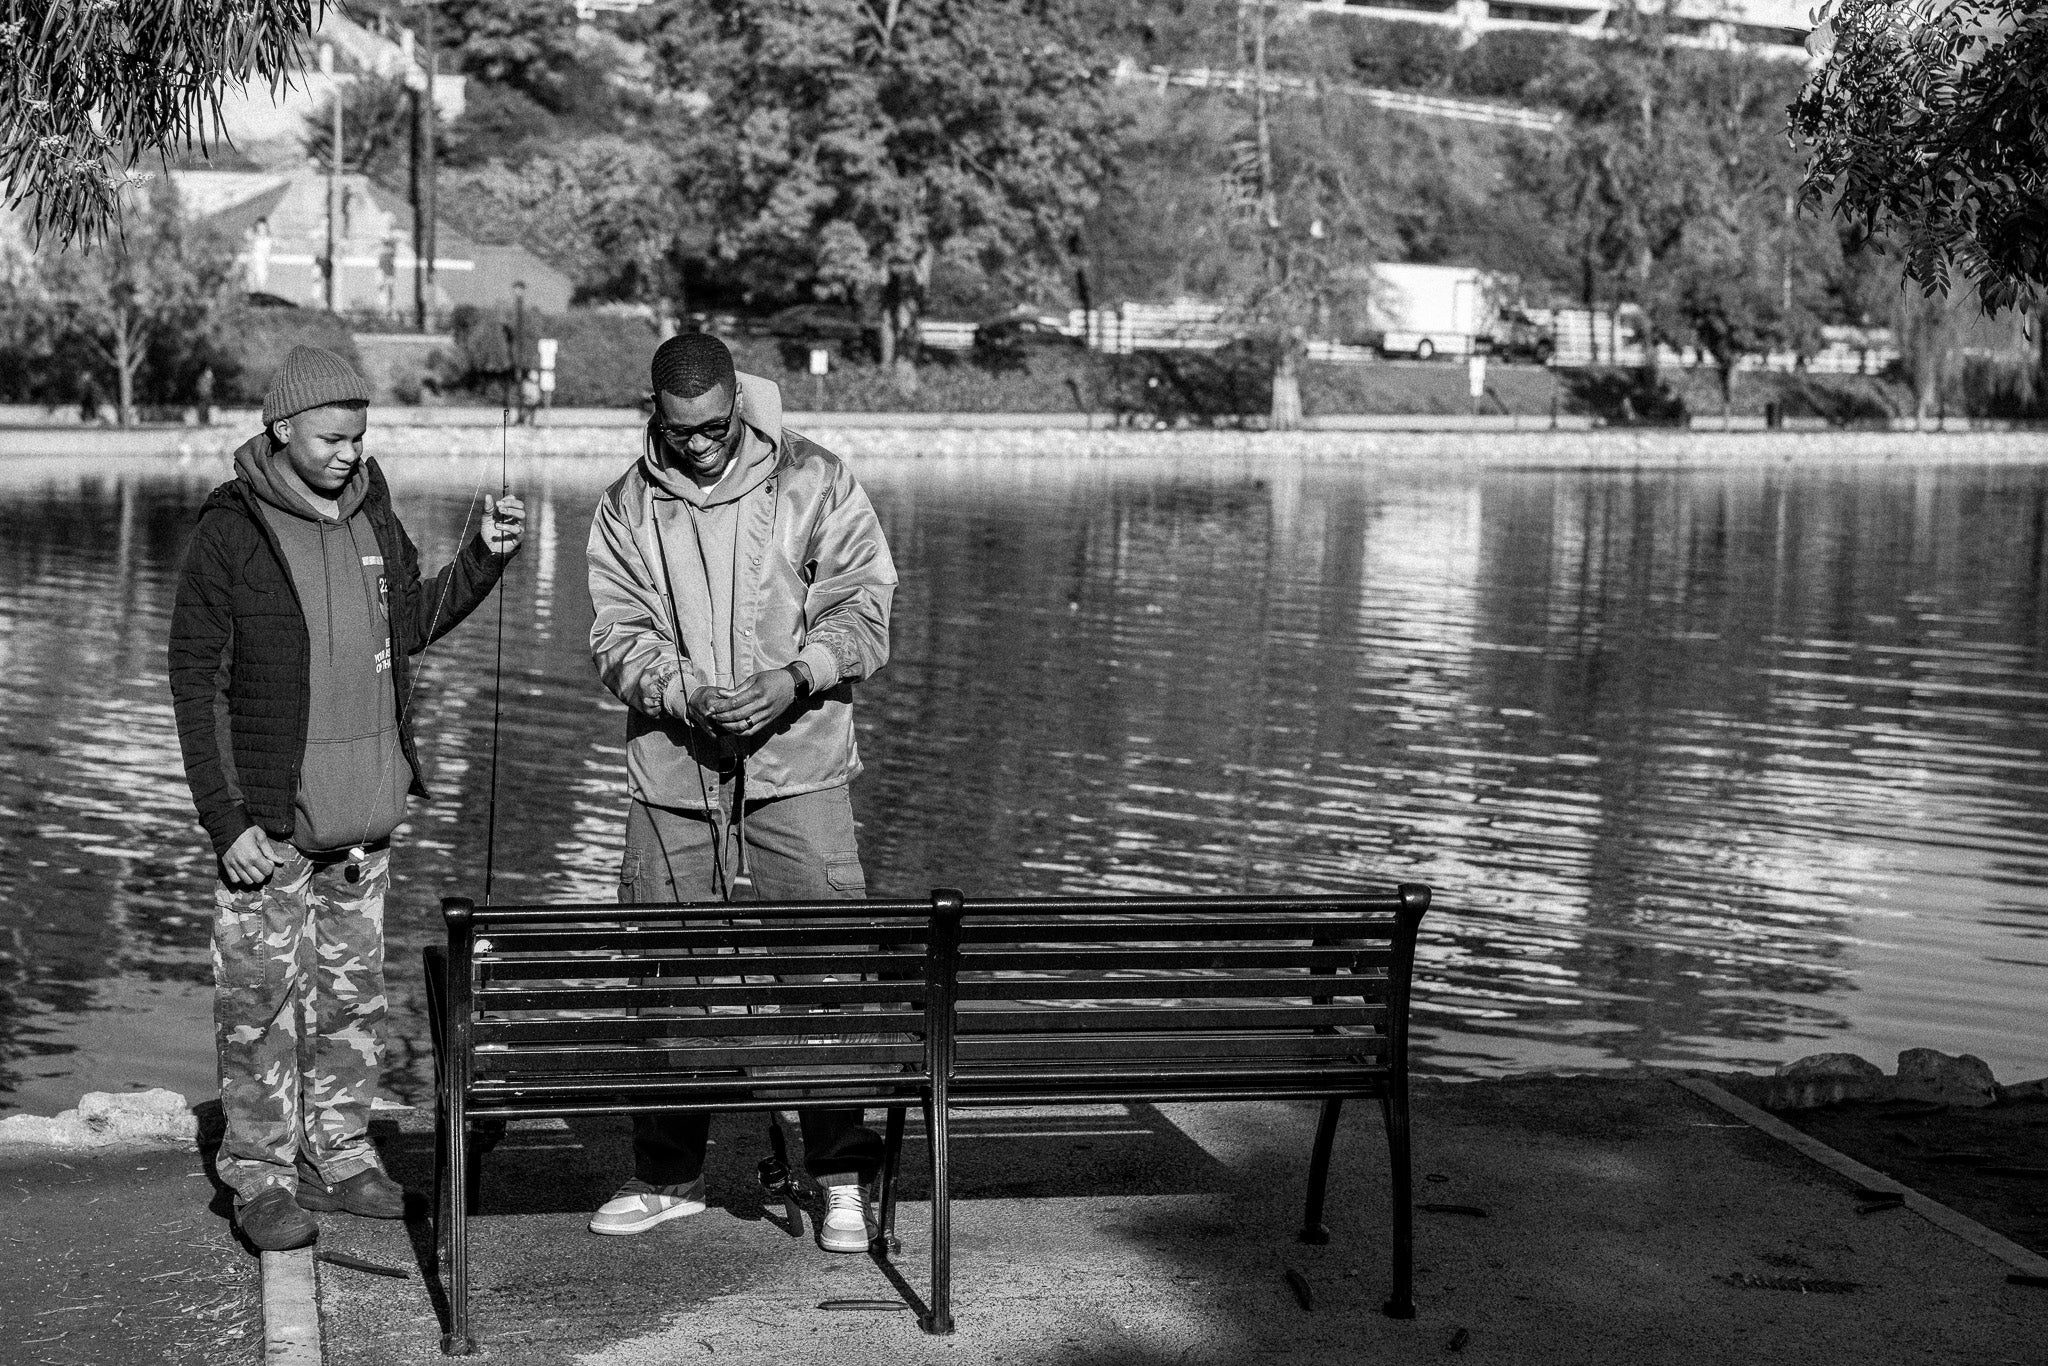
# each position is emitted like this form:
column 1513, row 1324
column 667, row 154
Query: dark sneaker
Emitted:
column 274, row 1222
column 369, row 1193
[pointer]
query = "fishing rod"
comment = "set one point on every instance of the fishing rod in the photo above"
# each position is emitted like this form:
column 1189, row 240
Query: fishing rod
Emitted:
column 498, row 667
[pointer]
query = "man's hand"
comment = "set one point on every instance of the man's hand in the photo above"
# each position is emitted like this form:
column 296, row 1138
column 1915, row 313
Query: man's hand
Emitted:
column 751, row 707
column 504, row 526
column 252, row 858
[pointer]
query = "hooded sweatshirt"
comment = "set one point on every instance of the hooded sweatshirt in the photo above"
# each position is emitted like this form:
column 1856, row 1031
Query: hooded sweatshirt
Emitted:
column 354, row 779
column 702, row 566
column 780, row 562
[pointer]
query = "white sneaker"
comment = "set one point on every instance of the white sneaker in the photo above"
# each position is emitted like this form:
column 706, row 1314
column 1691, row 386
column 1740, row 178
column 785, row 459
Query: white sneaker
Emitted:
column 846, row 1226
column 639, row 1207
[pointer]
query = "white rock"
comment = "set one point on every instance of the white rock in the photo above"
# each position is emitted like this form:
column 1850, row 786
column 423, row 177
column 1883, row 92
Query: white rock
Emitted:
column 107, row 1119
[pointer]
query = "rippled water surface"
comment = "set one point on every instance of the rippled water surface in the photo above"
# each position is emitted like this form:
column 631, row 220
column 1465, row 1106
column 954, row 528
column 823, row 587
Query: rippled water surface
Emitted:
column 1723, row 766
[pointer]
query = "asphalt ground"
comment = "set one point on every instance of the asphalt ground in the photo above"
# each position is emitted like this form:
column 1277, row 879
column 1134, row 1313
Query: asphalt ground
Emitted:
column 1623, row 1220
column 122, row 1258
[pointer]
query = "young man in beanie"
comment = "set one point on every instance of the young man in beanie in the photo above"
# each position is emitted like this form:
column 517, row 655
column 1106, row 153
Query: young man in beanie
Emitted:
column 741, row 585
column 298, row 607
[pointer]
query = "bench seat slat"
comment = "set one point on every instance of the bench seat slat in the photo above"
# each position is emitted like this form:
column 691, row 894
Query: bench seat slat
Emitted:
column 850, row 964
column 1019, row 1020
column 489, row 920
column 628, row 1028
column 1030, row 959
column 1145, row 931
column 1054, row 1079
column 1296, row 906
column 1176, row 987
column 501, row 1066
column 990, row 1049
column 679, row 995
column 624, row 939
column 673, row 1083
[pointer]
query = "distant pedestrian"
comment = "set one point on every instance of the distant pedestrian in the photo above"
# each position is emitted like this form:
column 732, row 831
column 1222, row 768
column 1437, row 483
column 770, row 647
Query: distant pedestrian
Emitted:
column 298, row 605
column 529, row 396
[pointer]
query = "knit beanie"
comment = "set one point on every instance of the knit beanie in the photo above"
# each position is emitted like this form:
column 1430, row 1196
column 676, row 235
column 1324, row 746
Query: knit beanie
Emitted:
column 311, row 378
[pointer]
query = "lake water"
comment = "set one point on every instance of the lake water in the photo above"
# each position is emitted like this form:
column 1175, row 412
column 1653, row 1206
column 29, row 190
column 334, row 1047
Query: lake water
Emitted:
column 1721, row 766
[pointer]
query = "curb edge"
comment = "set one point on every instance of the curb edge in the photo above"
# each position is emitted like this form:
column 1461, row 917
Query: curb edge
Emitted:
column 291, row 1309
column 1933, row 1211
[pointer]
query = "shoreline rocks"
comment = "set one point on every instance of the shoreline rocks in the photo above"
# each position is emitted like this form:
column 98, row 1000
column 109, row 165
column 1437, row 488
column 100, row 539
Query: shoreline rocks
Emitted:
column 1926, row 1075
column 106, row 1119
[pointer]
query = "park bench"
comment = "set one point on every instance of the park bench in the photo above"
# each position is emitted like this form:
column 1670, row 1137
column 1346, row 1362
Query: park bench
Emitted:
column 1082, row 1000
column 558, row 1011
column 567, row 1010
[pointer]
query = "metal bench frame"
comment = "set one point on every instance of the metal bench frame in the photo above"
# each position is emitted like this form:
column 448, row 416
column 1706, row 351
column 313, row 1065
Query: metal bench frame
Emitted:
column 1050, row 1001
column 1088, row 999
column 781, row 1054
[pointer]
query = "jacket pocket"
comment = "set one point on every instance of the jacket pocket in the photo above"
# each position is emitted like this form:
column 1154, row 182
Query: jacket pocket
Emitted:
column 843, row 871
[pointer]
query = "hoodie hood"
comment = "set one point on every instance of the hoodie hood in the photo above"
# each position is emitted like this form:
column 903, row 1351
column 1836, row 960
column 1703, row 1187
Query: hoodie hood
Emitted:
column 260, row 465
column 760, row 416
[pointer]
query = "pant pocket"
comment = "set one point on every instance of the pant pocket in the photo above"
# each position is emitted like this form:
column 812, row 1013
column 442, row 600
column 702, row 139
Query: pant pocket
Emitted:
column 843, row 871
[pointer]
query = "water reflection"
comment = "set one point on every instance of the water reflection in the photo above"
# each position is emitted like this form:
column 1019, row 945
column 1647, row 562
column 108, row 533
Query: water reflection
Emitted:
column 1719, row 766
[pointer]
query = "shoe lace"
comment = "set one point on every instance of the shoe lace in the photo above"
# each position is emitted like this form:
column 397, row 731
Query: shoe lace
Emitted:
column 846, row 1200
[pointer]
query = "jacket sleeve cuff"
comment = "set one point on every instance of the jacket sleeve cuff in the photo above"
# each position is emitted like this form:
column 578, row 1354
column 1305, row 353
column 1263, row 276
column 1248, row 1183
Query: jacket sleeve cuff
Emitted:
column 822, row 666
column 226, row 828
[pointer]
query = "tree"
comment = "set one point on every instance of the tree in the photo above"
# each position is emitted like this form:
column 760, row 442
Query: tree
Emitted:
column 161, row 289
column 376, row 127
column 604, row 209
column 1927, row 124
column 89, row 88
column 526, row 44
column 850, row 145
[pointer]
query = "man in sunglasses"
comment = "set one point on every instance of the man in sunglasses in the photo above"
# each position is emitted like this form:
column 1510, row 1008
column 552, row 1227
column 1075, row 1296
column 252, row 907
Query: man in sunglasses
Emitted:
column 741, row 586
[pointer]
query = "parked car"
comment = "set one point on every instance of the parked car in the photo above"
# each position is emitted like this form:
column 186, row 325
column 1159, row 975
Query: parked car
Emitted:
column 816, row 322
column 1005, row 343
column 1518, row 337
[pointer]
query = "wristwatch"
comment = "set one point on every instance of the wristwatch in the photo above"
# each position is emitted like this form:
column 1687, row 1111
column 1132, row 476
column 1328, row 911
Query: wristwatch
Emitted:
column 796, row 670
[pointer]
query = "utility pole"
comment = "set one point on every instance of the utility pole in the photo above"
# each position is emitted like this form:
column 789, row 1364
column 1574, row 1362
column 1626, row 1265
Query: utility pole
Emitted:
column 333, row 183
column 1286, row 409
column 424, row 114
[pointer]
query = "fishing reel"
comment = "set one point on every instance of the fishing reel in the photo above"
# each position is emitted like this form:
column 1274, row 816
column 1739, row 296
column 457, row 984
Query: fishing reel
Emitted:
column 776, row 1178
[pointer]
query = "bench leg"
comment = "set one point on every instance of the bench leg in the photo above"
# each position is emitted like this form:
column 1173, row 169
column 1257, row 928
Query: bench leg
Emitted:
column 940, row 1323
column 460, row 1149
column 892, row 1150
column 1400, row 1182
column 1312, row 1229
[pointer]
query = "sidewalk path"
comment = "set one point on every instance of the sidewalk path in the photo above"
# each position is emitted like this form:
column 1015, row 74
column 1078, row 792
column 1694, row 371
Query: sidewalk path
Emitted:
column 1626, row 1222
column 115, row 1259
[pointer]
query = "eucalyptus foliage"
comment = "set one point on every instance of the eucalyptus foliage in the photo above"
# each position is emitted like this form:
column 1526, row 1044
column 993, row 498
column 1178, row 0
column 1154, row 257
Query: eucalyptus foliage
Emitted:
column 88, row 88
column 1928, row 128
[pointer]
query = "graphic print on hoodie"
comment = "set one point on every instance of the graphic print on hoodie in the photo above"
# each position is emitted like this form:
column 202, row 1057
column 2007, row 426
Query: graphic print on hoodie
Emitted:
column 353, row 783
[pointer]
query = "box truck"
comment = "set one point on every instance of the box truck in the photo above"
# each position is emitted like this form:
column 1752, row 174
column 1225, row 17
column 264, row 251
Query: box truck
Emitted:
column 1425, row 311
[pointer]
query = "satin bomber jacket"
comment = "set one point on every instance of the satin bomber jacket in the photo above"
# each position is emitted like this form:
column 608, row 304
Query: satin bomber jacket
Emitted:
column 812, row 581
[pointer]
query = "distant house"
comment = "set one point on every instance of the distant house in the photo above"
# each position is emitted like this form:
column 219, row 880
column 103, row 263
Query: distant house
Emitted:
column 280, row 218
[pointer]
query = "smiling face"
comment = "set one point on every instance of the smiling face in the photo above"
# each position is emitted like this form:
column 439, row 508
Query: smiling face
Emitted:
column 324, row 445
column 702, row 432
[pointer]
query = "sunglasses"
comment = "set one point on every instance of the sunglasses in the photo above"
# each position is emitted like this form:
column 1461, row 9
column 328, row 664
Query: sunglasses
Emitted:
column 716, row 430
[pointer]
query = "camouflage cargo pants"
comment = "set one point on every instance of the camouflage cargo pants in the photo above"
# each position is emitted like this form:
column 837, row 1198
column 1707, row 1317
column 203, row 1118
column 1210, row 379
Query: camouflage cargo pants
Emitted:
column 298, row 1017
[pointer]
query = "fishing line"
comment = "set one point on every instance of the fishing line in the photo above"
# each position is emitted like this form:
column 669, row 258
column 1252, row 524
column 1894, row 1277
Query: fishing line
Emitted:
column 498, row 667
column 359, row 854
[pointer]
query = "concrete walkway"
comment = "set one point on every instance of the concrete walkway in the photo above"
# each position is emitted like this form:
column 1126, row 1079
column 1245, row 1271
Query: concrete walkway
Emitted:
column 1625, row 1221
